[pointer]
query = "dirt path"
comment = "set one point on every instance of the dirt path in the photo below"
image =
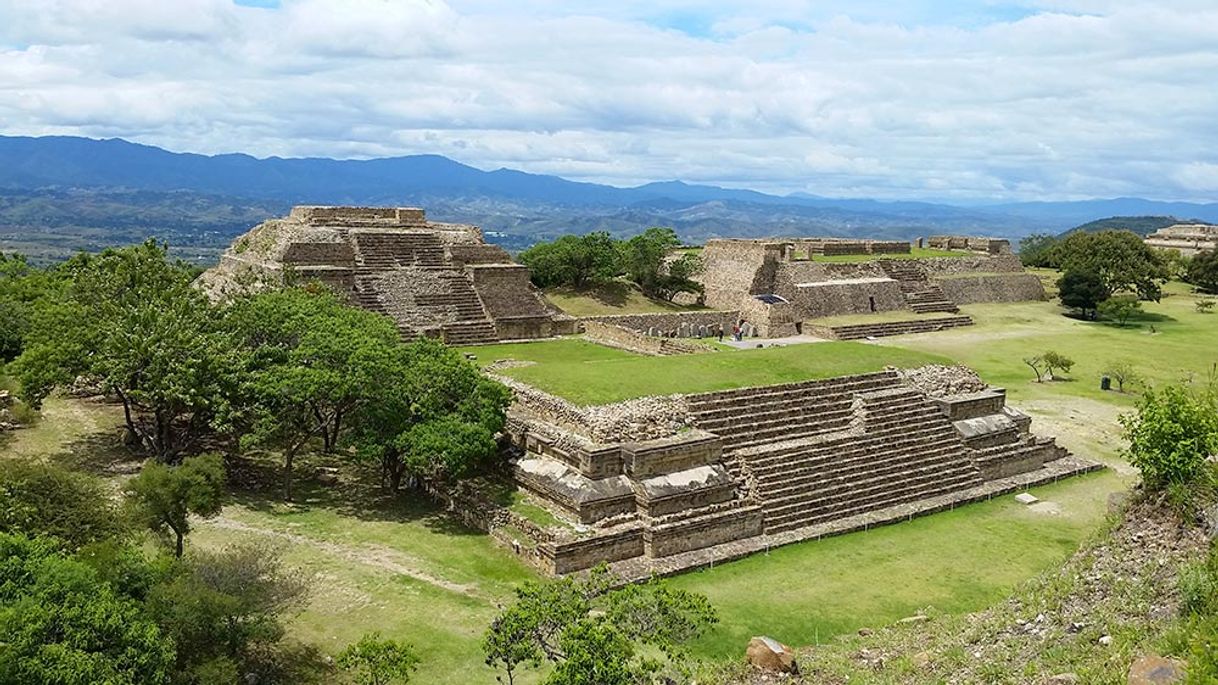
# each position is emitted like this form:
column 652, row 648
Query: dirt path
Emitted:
column 376, row 556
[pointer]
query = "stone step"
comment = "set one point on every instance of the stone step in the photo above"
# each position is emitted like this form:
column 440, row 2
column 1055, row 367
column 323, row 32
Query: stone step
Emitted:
column 757, row 396
column 911, row 493
column 782, row 454
column 731, row 425
column 848, row 475
column 810, row 465
column 879, row 491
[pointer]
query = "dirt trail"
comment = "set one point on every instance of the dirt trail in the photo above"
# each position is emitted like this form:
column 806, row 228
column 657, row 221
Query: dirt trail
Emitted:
column 376, row 556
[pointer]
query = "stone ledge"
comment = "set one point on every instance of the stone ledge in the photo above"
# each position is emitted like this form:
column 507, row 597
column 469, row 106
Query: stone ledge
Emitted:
column 642, row 568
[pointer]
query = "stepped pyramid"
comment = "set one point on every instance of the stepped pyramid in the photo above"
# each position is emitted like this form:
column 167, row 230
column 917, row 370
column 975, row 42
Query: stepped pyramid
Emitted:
column 435, row 279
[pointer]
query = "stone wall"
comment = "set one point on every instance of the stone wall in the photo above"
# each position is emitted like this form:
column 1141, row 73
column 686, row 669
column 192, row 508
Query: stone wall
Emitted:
column 575, row 555
column 734, row 270
column 312, row 254
column 1002, row 287
column 626, row 339
column 968, row 242
column 669, row 321
column 998, row 263
column 683, row 536
column 860, row 296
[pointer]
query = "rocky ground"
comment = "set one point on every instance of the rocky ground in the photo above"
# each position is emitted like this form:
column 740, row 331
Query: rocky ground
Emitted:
column 1100, row 618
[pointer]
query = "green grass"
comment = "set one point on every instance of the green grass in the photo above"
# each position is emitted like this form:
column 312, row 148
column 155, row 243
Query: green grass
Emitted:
column 956, row 561
column 1183, row 346
column 914, row 253
column 615, row 298
column 586, row 375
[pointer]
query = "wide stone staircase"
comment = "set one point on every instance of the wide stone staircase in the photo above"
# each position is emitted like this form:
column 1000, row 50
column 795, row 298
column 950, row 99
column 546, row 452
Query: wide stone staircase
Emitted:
column 454, row 301
column 816, row 452
column 921, row 294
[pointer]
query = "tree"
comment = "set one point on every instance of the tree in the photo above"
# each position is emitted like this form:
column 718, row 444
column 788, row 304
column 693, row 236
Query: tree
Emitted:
column 1037, row 364
column 573, row 260
column 1037, row 250
column 678, row 276
column 131, row 319
column 1054, row 361
column 437, row 420
column 592, row 632
column 375, row 660
column 45, row 499
column 224, row 610
column 1119, row 258
column 310, row 360
column 1203, row 271
column 1082, row 290
column 1171, row 436
column 1120, row 308
column 163, row 497
column 1175, row 263
column 62, row 624
column 21, row 286
column 1123, row 373
column 643, row 256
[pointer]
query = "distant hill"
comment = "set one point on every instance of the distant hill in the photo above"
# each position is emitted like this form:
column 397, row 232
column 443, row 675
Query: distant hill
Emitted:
column 1142, row 225
column 58, row 194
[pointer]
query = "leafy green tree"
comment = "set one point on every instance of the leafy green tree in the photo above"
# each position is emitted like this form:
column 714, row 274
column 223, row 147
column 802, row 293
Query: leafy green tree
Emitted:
column 21, row 286
column 62, row 624
column 1037, row 364
column 130, row 319
column 310, row 360
column 1037, row 250
column 375, row 660
column 1119, row 258
column 224, row 611
column 1175, row 263
column 1203, row 271
column 45, row 499
column 164, row 497
column 592, row 632
column 1171, row 435
column 573, row 260
column 1055, row 361
column 643, row 257
column 1123, row 373
column 1083, row 291
column 1120, row 308
column 678, row 276
column 437, row 420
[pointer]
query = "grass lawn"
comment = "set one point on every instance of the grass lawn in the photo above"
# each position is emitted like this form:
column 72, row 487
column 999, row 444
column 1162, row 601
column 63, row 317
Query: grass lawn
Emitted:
column 616, row 298
column 586, row 373
column 1183, row 346
column 914, row 253
column 956, row 561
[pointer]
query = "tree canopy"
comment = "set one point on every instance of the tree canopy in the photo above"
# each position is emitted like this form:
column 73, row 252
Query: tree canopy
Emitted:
column 1083, row 291
column 1203, row 271
column 1172, row 434
column 164, row 497
column 45, row 499
column 649, row 260
column 575, row 260
column 1119, row 259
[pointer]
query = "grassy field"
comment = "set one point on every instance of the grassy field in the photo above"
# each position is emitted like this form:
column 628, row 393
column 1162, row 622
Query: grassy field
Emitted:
column 604, row 375
column 618, row 298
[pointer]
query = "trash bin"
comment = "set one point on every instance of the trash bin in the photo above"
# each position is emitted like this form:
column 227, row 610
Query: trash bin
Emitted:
column 1105, row 383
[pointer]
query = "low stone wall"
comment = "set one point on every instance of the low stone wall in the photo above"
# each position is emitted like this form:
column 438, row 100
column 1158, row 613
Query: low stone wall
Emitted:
column 968, row 242
column 567, row 556
column 643, row 418
column 626, row 339
column 980, row 263
column 684, row 536
column 669, row 321
column 973, row 405
column 997, row 287
column 834, row 298
column 656, row 457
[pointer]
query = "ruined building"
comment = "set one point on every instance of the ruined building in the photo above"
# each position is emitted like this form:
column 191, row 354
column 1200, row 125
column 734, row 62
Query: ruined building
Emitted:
column 777, row 284
column 1187, row 239
column 435, row 279
column 661, row 484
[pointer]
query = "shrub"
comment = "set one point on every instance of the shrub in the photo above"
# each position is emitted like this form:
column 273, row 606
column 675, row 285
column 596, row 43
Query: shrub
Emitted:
column 1204, row 305
column 1120, row 308
column 44, row 499
column 1054, row 360
column 1123, row 373
column 1171, row 435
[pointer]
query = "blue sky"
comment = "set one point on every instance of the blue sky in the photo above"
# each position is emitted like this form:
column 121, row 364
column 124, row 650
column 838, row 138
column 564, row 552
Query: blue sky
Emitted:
column 972, row 101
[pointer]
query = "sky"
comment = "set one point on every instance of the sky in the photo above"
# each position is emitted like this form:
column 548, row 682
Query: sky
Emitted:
column 925, row 99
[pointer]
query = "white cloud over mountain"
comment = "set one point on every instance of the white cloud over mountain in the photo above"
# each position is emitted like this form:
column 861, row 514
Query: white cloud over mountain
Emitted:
column 1051, row 99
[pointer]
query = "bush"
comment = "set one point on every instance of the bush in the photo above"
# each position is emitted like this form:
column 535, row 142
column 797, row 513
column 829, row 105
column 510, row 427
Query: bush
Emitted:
column 44, row 499
column 1204, row 305
column 1120, row 308
column 1171, row 436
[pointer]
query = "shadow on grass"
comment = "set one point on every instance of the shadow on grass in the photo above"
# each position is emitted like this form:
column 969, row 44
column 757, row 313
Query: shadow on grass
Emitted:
column 256, row 482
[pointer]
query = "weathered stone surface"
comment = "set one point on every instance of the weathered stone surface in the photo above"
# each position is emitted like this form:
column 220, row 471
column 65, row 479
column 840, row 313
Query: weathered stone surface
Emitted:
column 1026, row 498
column 1156, row 670
column 769, row 654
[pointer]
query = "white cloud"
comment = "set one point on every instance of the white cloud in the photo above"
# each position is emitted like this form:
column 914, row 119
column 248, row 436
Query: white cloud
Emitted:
column 1062, row 98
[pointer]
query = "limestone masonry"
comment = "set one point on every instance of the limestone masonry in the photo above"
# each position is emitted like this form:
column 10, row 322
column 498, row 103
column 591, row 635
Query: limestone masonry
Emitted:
column 1188, row 239
column 777, row 284
column 667, row 483
column 435, row 279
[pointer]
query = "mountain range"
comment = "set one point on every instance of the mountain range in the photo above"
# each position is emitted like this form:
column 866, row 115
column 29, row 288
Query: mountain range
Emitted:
column 64, row 193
